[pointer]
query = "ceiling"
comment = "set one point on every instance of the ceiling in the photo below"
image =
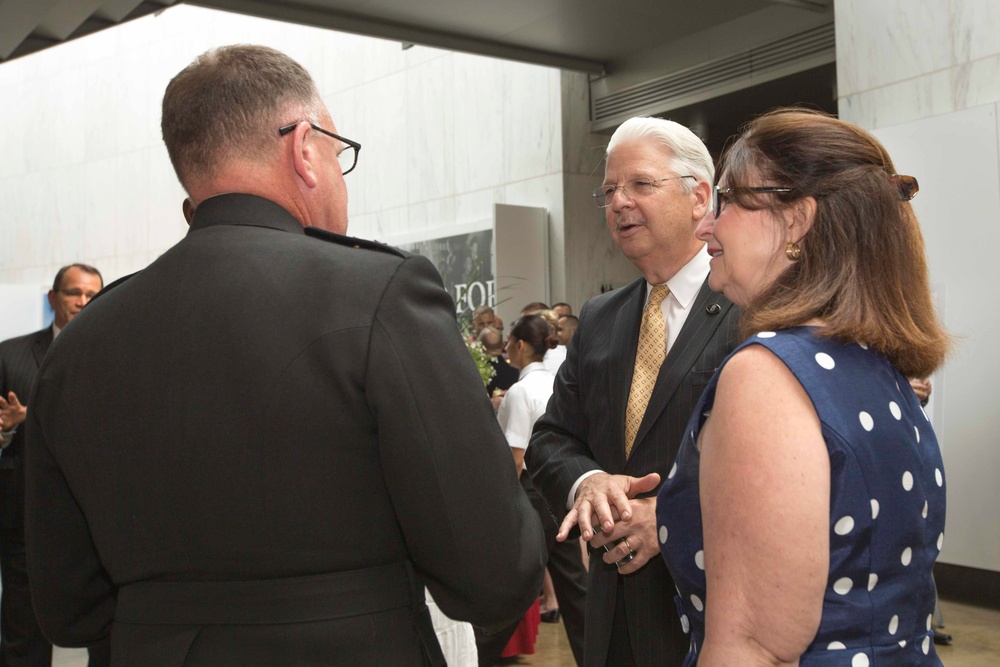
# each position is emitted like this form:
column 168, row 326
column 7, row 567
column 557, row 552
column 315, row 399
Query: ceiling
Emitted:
column 586, row 35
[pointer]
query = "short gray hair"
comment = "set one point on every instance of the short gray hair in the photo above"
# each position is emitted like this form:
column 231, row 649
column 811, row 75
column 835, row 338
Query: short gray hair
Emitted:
column 690, row 155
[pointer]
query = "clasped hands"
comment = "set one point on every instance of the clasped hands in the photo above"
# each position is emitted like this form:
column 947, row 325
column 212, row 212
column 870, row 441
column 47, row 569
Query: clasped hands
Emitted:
column 607, row 511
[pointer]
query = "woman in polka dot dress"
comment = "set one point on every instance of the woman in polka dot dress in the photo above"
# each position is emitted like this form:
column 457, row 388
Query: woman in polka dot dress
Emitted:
column 806, row 507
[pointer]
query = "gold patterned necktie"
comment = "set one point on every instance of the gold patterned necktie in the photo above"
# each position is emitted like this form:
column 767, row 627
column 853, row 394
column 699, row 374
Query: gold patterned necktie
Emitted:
column 649, row 356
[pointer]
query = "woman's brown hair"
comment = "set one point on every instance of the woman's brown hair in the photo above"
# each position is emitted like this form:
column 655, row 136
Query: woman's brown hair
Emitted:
column 862, row 268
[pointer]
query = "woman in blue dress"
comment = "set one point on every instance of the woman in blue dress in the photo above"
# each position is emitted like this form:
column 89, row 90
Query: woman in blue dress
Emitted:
column 806, row 507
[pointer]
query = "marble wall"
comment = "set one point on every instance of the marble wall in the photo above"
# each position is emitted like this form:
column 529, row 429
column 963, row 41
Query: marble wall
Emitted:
column 84, row 175
column 924, row 76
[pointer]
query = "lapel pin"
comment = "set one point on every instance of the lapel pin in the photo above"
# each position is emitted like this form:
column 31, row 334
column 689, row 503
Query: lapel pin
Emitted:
column 713, row 309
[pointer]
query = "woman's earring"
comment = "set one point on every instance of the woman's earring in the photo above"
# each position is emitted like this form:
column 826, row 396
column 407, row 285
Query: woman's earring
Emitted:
column 793, row 251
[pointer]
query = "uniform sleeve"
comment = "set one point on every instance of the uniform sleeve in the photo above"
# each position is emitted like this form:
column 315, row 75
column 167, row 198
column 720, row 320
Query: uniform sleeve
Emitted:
column 559, row 454
column 469, row 528
column 72, row 593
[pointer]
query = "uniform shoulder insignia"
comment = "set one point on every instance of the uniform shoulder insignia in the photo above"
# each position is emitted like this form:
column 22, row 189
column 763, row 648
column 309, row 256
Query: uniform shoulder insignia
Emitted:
column 352, row 241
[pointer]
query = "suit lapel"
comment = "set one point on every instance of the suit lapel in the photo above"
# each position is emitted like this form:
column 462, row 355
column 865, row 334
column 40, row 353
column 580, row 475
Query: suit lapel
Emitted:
column 624, row 339
column 700, row 325
column 41, row 345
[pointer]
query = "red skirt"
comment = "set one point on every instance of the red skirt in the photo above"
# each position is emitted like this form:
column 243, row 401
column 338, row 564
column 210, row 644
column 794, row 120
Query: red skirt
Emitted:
column 522, row 642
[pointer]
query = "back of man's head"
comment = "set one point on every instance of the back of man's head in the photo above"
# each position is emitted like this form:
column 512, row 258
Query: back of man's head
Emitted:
column 227, row 106
column 533, row 307
column 492, row 341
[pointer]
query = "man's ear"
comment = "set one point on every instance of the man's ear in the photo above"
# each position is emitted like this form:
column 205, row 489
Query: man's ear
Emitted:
column 188, row 209
column 702, row 194
column 801, row 217
column 305, row 157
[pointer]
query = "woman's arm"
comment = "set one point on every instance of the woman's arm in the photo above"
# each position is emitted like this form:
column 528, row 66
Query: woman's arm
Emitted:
column 765, row 495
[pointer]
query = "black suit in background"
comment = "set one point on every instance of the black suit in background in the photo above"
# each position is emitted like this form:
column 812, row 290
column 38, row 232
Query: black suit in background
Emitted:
column 583, row 429
column 22, row 641
column 269, row 434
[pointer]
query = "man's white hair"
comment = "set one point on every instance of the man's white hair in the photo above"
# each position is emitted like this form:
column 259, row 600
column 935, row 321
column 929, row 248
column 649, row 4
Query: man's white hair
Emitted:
column 690, row 156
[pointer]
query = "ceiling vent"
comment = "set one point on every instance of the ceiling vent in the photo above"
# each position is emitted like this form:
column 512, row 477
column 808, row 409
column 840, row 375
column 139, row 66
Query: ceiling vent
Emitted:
column 792, row 54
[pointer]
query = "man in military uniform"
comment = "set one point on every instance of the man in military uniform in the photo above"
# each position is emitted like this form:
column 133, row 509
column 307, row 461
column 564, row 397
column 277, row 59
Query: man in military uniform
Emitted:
column 257, row 462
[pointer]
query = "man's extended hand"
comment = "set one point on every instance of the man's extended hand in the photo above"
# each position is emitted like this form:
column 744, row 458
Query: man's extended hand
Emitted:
column 12, row 413
column 601, row 494
column 637, row 535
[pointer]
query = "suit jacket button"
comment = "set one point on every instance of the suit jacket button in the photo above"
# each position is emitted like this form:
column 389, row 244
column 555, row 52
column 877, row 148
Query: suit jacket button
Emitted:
column 713, row 309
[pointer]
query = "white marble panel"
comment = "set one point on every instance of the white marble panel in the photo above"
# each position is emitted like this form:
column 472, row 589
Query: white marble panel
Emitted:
column 15, row 119
column 382, row 57
column 431, row 214
column 978, row 82
column 385, row 143
column 477, row 206
column 530, row 137
column 479, row 149
column 132, row 191
column 33, row 221
column 100, row 208
column 583, row 152
column 430, row 138
column 132, row 101
column 64, row 140
column 387, row 223
column 343, row 62
column 101, row 109
column 67, row 222
column 976, row 29
column 879, row 43
column 901, row 102
column 39, row 113
column 364, row 226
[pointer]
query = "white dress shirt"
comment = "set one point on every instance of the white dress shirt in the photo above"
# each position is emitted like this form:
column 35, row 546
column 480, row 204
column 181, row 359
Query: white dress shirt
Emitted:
column 553, row 358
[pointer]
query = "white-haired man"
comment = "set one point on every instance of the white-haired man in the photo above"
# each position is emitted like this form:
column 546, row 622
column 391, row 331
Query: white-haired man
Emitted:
column 635, row 368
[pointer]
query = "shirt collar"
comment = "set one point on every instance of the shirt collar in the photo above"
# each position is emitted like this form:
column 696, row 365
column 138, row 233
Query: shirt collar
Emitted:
column 531, row 368
column 686, row 283
column 55, row 331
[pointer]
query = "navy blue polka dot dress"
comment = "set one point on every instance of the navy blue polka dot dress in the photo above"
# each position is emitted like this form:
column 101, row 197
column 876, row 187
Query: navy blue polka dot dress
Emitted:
column 887, row 507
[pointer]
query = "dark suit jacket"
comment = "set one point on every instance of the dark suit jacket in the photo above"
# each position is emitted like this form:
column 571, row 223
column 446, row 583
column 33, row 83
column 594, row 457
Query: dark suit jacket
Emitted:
column 583, row 429
column 20, row 359
column 261, row 434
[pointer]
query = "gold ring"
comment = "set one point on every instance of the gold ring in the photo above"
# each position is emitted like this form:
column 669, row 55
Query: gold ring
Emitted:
column 627, row 545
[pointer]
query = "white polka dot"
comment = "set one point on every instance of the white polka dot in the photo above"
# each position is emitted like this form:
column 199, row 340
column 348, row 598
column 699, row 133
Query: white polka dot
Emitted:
column 894, row 409
column 699, row 560
column 916, row 432
column 930, row 619
column 859, row 660
column 863, row 346
column 766, row 334
column 907, row 556
column 872, row 580
column 844, row 525
column 938, row 477
column 835, row 646
column 874, row 509
column 902, row 642
column 843, row 586
column 867, row 423
column 673, row 470
column 907, row 480
column 925, row 646
column 924, row 513
column 697, row 603
column 663, row 534
column 825, row 360
column 893, row 624
column 940, row 541
column 685, row 624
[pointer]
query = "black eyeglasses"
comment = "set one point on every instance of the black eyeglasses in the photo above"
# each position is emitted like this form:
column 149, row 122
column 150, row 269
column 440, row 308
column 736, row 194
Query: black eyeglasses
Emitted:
column 348, row 155
column 720, row 195
column 642, row 187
